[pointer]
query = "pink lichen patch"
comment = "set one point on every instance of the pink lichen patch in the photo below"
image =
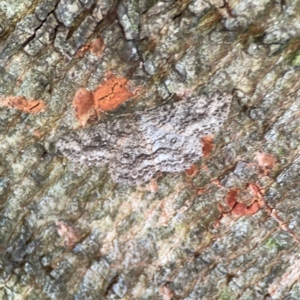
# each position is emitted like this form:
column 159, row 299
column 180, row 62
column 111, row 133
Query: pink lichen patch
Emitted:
column 37, row 133
column 21, row 103
column 68, row 233
column 216, row 182
column 153, row 186
column 201, row 191
column 207, row 145
column 243, row 210
column 84, row 106
column 231, row 198
column 235, row 205
column 166, row 292
column 111, row 94
column 96, row 46
column 255, row 191
column 265, row 162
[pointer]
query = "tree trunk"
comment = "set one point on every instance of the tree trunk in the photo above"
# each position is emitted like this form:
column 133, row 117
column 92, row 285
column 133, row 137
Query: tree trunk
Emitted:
column 225, row 228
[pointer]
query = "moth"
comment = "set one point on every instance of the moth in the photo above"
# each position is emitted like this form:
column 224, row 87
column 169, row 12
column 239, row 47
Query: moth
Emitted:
column 166, row 139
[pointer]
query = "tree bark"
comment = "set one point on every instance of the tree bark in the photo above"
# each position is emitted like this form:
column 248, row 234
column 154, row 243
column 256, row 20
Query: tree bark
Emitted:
column 226, row 228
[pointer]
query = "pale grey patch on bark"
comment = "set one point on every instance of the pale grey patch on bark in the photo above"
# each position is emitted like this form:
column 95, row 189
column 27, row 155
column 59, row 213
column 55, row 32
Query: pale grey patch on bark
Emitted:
column 166, row 139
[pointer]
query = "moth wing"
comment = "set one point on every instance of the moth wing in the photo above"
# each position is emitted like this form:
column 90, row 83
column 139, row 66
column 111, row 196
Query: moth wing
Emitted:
column 95, row 145
column 133, row 162
column 173, row 152
column 92, row 145
column 196, row 116
column 217, row 113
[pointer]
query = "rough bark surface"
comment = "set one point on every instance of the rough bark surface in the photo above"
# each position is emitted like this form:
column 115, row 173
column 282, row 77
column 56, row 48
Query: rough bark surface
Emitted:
column 227, row 228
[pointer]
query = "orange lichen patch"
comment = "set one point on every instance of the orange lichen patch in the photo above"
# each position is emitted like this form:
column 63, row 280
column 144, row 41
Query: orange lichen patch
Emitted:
column 21, row 103
column 207, row 145
column 96, row 46
column 107, row 96
column 191, row 171
column 84, row 105
column 265, row 162
column 112, row 93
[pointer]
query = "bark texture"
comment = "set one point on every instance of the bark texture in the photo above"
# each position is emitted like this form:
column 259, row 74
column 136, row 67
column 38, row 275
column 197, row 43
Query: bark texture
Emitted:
column 227, row 228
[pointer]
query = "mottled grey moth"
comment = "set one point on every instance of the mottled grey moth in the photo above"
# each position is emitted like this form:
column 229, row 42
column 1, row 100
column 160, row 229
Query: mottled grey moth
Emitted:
column 166, row 139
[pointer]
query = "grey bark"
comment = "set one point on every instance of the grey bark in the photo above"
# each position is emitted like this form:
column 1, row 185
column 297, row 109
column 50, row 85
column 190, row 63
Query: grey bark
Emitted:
column 70, row 232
